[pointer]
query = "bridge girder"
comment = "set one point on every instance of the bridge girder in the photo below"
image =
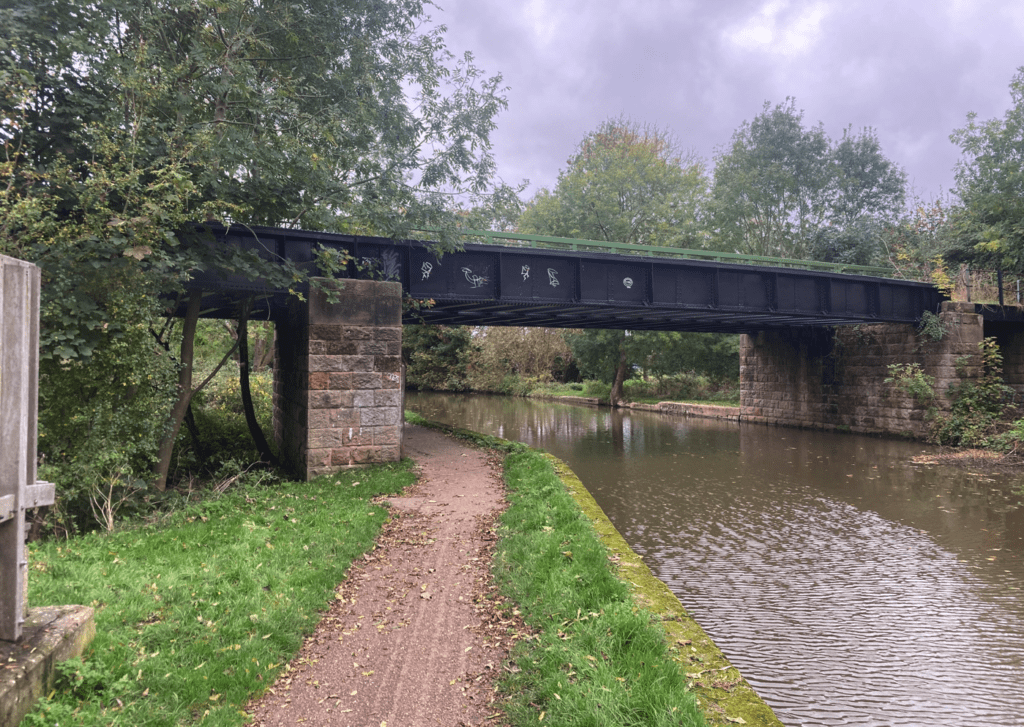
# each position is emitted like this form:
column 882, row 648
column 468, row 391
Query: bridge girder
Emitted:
column 496, row 285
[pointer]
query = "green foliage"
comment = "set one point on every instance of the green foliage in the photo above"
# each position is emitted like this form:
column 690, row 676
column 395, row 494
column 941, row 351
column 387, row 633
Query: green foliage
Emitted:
column 437, row 357
column 686, row 386
column 222, row 446
column 596, row 658
column 122, row 123
column 917, row 243
column 655, row 353
column 199, row 613
column 931, row 327
column 978, row 405
column 858, row 243
column 625, row 182
column 513, row 360
column 911, row 379
column 779, row 184
column 990, row 183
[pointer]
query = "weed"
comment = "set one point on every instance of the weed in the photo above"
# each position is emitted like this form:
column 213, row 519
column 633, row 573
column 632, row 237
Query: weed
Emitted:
column 977, row 405
column 931, row 327
column 911, row 379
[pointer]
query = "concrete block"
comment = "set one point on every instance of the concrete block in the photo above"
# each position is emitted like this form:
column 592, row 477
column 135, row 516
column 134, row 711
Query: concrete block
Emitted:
column 372, row 348
column 387, row 364
column 385, row 397
column 323, row 439
column 319, row 380
column 325, row 332
column 365, row 381
column 387, row 435
column 50, row 635
column 330, row 399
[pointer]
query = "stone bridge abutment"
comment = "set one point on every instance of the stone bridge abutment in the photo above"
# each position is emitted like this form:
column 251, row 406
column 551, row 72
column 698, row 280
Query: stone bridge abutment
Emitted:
column 338, row 379
column 338, row 384
column 833, row 379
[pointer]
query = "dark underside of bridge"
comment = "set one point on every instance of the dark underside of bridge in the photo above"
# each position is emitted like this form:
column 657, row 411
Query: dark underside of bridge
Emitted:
column 491, row 285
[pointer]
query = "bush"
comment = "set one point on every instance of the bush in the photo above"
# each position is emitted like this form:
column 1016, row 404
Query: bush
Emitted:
column 597, row 389
column 221, row 445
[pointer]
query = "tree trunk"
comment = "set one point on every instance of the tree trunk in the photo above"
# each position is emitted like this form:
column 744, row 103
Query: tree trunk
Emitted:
column 188, row 338
column 620, row 374
column 263, row 351
column 266, row 454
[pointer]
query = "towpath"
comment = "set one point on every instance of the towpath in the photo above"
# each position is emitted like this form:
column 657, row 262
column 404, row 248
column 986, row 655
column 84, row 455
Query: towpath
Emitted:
column 410, row 640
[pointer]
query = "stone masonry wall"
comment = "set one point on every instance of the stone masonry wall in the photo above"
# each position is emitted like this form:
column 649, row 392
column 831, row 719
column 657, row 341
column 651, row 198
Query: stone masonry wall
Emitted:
column 833, row 379
column 337, row 379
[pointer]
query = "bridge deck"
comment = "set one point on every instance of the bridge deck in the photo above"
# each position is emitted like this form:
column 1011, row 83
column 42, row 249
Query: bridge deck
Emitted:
column 497, row 285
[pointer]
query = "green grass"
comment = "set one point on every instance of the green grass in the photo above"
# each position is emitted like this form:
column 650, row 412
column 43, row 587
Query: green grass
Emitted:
column 597, row 658
column 197, row 613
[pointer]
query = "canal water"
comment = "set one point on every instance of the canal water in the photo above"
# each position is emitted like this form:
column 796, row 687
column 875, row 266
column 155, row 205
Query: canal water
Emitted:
column 849, row 585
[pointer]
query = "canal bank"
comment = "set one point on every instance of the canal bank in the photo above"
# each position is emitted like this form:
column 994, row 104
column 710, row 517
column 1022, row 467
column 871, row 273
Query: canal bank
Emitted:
column 674, row 408
column 723, row 694
column 850, row 584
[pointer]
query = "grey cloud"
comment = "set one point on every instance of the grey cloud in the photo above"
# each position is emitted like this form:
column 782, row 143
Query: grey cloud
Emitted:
column 910, row 70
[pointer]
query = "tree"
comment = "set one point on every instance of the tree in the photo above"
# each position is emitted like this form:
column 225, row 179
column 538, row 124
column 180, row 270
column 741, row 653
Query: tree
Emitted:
column 122, row 122
column 626, row 182
column 779, row 184
column 990, row 184
column 629, row 183
column 537, row 354
column 436, row 357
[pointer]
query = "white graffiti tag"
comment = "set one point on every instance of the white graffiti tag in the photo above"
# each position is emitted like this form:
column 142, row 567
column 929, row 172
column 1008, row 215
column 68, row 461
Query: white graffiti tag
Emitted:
column 526, row 272
column 553, row 277
column 426, row 269
column 474, row 280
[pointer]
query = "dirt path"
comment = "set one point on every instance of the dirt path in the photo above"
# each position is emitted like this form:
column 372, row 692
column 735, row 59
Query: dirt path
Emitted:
column 409, row 642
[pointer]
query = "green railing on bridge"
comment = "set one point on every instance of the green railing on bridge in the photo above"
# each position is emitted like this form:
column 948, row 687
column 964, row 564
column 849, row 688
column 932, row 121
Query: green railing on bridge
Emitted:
column 518, row 239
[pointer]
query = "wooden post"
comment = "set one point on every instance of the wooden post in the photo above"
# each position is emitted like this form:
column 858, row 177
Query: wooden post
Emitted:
column 19, row 398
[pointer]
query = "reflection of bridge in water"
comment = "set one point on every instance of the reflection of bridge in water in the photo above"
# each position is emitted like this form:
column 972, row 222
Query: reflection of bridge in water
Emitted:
column 558, row 283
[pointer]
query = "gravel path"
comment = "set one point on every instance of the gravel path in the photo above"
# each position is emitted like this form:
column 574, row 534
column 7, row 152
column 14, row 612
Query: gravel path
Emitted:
column 411, row 640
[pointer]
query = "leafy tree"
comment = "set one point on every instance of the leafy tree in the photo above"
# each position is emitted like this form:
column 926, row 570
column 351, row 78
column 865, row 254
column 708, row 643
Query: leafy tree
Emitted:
column 865, row 186
column 437, row 357
column 540, row 354
column 626, row 182
column 122, row 122
column 779, row 183
column 990, row 184
column 629, row 183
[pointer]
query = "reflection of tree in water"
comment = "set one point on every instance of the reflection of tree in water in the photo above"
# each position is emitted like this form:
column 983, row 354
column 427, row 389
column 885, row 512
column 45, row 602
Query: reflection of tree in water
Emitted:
column 967, row 508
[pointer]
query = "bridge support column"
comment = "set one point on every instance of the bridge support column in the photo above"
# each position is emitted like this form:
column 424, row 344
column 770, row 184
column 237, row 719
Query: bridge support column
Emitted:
column 834, row 378
column 337, row 379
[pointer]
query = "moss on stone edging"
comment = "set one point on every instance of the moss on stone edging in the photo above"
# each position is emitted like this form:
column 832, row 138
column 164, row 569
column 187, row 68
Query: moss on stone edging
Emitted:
column 722, row 693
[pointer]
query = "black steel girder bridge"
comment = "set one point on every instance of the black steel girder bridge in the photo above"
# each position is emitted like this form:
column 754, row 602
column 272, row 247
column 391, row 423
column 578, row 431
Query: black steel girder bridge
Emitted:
column 516, row 284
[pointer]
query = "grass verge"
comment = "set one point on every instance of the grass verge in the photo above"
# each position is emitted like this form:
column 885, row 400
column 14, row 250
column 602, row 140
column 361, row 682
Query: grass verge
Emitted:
column 595, row 657
column 199, row 612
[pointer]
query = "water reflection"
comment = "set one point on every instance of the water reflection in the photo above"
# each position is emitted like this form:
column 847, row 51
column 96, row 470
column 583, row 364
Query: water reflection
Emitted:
column 849, row 585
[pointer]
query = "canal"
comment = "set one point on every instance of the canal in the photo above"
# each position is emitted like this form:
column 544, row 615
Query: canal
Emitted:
column 849, row 585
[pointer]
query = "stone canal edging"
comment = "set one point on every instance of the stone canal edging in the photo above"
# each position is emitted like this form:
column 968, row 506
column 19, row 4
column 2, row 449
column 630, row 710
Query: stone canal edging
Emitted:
column 723, row 694
column 677, row 408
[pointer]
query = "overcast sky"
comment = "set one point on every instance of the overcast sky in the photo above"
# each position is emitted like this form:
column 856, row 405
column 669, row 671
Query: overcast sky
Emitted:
column 911, row 69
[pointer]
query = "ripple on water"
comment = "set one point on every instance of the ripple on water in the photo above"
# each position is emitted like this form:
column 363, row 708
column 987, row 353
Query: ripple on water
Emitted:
column 841, row 617
column 850, row 588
